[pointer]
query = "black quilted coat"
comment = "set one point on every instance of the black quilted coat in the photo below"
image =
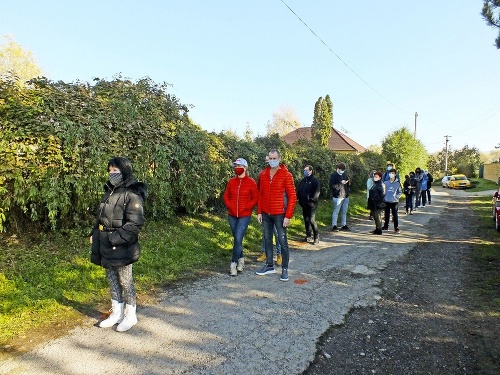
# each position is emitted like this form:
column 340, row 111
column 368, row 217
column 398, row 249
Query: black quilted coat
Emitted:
column 120, row 216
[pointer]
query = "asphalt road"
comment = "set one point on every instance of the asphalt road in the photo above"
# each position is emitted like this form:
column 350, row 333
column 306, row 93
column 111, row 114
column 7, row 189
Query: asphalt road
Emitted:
column 247, row 324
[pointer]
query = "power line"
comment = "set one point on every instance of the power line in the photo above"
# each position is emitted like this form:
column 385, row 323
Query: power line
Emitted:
column 342, row 61
column 474, row 123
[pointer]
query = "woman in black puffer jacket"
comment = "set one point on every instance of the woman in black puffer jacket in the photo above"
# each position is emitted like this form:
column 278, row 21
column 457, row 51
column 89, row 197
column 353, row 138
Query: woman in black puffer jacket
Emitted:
column 376, row 203
column 114, row 239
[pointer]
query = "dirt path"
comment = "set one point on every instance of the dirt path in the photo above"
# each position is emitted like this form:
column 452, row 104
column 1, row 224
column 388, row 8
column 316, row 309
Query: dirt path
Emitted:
column 426, row 321
column 404, row 298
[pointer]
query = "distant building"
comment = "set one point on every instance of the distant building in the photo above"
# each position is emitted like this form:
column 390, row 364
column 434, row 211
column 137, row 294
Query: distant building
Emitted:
column 338, row 141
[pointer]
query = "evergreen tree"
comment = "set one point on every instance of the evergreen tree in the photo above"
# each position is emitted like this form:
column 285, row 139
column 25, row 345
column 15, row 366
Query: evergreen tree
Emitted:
column 321, row 128
column 491, row 13
column 329, row 104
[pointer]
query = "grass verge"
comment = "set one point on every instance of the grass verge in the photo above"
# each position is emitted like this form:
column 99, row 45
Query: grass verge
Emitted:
column 486, row 255
column 481, row 184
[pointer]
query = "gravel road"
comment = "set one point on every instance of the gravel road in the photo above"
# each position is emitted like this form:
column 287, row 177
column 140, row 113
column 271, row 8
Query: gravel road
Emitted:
column 256, row 324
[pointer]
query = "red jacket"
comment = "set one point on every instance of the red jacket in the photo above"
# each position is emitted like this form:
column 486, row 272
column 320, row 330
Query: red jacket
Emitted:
column 272, row 192
column 241, row 196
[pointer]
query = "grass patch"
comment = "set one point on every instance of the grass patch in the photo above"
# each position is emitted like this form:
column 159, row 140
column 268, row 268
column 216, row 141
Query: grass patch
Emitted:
column 481, row 184
column 486, row 255
column 47, row 280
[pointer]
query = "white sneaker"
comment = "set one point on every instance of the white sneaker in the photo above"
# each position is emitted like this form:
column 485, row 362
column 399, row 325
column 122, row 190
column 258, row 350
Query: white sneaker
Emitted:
column 240, row 265
column 233, row 271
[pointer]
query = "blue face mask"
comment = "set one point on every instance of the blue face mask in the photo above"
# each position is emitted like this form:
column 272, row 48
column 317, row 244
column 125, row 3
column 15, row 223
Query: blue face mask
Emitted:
column 306, row 173
column 341, row 172
column 389, row 168
column 274, row 163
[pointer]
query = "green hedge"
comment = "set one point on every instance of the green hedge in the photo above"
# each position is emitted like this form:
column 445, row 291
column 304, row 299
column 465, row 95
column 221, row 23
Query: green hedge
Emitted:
column 56, row 140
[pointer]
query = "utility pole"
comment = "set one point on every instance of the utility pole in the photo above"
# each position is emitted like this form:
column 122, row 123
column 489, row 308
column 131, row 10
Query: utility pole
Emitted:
column 415, row 132
column 446, row 154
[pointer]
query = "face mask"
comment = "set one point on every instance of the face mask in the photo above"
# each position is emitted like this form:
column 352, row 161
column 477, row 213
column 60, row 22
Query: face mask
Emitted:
column 274, row 163
column 306, row 173
column 341, row 172
column 389, row 168
column 239, row 170
column 393, row 175
column 115, row 178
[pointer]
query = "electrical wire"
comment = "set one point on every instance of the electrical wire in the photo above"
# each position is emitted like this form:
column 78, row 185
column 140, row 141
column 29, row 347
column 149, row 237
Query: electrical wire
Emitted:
column 343, row 62
column 477, row 121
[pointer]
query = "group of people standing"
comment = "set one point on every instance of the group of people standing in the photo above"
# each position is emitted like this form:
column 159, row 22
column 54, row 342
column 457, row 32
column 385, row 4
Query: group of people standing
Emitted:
column 275, row 197
column 120, row 216
column 384, row 191
column 417, row 188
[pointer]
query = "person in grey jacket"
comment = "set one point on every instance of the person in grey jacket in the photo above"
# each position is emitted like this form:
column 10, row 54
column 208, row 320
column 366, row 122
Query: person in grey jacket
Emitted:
column 393, row 192
column 114, row 240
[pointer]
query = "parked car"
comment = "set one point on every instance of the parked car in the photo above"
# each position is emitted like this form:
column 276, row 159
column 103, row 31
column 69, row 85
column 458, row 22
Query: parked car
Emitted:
column 496, row 210
column 445, row 181
column 459, row 181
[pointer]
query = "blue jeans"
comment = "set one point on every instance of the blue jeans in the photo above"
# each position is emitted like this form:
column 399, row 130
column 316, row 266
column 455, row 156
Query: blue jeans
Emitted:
column 278, row 246
column 269, row 223
column 239, row 227
column 340, row 204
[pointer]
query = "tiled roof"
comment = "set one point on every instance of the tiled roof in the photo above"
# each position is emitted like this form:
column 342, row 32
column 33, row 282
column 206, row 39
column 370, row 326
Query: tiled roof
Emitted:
column 337, row 142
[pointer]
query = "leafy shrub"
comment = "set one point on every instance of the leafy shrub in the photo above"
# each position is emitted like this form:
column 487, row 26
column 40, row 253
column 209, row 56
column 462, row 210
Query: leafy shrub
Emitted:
column 56, row 140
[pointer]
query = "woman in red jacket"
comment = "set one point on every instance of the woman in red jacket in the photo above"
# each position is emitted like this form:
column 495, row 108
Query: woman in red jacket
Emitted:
column 240, row 197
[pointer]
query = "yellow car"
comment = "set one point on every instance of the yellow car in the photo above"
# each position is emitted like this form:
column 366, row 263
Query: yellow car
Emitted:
column 459, row 181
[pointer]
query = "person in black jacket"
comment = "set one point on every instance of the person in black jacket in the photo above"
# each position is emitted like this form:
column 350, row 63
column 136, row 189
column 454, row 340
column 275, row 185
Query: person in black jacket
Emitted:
column 376, row 203
column 430, row 179
column 409, row 187
column 114, row 240
column 308, row 194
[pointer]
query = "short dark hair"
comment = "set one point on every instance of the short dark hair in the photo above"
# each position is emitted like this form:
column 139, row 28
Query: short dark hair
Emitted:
column 123, row 164
column 378, row 173
column 309, row 167
column 341, row 166
column 274, row 150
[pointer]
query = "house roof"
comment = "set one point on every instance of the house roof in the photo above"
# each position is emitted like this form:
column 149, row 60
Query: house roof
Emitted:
column 337, row 141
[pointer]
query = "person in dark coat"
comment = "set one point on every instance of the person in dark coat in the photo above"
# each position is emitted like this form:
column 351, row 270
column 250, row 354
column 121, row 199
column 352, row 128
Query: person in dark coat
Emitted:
column 114, row 239
column 409, row 187
column 308, row 194
column 376, row 203
column 340, row 187
column 430, row 179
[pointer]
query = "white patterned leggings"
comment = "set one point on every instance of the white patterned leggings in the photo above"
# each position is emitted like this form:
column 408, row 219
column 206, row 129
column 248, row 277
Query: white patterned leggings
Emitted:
column 122, row 285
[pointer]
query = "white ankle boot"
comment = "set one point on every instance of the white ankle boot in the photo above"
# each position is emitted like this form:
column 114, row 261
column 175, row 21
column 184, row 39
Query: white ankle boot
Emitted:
column 241, row 264
column 129, row 320
column 232, row 269
column 116, row 315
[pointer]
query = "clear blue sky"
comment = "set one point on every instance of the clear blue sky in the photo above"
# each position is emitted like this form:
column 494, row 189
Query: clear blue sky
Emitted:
column 237, row 62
